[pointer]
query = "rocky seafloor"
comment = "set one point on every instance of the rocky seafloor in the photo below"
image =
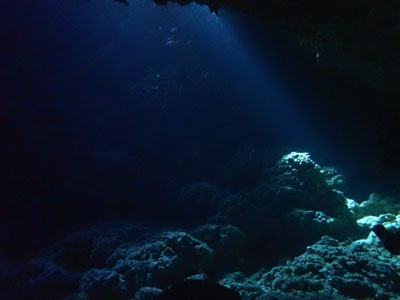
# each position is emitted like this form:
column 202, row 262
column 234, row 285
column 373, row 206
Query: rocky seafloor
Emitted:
column 291, row 235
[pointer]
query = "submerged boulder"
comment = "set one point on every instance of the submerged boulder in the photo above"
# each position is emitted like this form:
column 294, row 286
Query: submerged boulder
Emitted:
column 299, row 182
column 295, row 204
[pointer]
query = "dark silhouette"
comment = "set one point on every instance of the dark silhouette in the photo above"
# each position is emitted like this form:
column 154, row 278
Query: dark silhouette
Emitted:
column 199, row 290
column 390, row 240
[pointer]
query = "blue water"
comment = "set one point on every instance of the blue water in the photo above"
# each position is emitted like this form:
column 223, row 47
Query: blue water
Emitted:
column 108, row 109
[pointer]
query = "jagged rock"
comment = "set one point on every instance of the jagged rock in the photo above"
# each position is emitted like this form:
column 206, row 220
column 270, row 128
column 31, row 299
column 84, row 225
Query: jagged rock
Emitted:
column 327, row 270
column 147, row 293
column 100, row 284
column 172, row 257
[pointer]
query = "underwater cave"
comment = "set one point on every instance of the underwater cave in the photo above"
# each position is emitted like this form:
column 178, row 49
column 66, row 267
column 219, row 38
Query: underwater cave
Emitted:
column 209, row 149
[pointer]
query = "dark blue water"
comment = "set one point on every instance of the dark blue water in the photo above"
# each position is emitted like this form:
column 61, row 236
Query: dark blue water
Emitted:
column 106, row 109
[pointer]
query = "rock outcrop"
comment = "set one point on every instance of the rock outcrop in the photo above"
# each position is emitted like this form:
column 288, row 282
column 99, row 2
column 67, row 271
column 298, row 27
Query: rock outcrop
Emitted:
column 294, row 204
